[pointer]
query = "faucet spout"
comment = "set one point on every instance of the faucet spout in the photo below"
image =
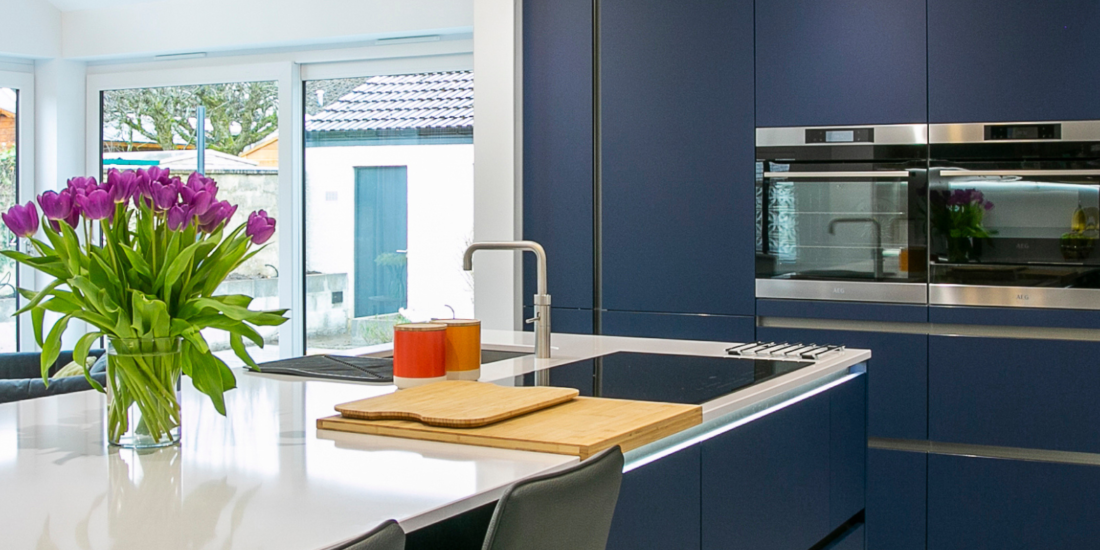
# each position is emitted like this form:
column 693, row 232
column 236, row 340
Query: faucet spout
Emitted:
column 876, row 253
column 542, row 298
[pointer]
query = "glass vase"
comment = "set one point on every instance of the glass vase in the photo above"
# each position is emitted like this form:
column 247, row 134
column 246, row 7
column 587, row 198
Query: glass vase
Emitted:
column 143, row 397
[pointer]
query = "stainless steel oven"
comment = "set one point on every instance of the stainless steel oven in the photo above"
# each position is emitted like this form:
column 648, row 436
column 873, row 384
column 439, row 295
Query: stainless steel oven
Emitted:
column 1014, row 212
column 841, row 212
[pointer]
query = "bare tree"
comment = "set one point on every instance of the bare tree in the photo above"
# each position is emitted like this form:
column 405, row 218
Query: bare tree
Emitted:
column 239, row 114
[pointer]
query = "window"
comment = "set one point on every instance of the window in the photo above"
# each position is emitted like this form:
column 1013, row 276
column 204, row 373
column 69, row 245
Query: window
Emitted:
column 236, row 143
column 9, row 184
column 389, row 205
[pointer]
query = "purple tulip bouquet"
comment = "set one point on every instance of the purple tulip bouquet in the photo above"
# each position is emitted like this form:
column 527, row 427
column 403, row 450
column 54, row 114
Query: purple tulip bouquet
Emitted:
column 148, row 287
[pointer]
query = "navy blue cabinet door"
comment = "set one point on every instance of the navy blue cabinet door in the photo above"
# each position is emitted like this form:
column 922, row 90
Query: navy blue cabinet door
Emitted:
column 1012, row 60
column 715, row 328
column 677, row 156
column 835, row 62
column 659, row 505
column 847, row 450
column 1038, row 394
column 896, row 500
column 766, row 484
column 994, row 503
column 557, row 147
column 897, row 376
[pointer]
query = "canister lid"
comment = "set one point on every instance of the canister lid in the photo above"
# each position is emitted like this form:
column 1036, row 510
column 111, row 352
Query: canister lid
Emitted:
column 458, row 322
column 419, row 327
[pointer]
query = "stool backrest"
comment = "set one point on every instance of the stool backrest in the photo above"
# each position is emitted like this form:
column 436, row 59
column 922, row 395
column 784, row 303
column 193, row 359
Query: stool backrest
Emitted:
column 388, row 536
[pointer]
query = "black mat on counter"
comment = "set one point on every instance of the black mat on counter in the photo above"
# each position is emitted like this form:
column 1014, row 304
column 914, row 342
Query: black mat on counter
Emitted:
column 335, row 367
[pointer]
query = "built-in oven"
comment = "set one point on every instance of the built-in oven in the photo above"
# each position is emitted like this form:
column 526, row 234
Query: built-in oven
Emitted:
column 840, row 213
column 1014, row 212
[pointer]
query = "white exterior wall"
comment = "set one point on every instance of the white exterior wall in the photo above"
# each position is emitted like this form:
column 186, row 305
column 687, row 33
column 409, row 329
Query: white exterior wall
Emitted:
column 440, row 219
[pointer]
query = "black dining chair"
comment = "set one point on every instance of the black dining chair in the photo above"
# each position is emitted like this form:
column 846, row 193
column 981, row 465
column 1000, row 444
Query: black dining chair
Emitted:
column 388, row 536
column 569, row 509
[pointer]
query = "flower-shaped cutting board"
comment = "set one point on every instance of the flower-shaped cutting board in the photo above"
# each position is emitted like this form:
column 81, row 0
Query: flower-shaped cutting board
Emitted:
column 456, row 403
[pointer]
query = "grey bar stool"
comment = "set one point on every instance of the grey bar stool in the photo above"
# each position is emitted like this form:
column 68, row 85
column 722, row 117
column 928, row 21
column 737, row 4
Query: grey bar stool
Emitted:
column 570, row 509
column 388, row 536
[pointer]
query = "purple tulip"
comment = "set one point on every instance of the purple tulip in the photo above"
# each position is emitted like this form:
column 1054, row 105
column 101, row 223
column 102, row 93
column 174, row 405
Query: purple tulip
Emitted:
column 260, row 227
column 122, row 185
column 96, row 205
column 216, row 215
column 157, row 174
column 179, row 217
column 22, row 220
column 74, row 216
column 163, row 196
column 198, row 182
column 56, row 206
column 82, row 185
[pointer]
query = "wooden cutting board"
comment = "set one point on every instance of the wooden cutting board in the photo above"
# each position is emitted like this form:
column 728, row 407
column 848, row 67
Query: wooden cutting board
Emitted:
column 581, row 427
column 456, row 403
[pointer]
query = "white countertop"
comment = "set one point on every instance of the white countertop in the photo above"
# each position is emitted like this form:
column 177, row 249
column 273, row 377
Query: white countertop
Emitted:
column 265, row 477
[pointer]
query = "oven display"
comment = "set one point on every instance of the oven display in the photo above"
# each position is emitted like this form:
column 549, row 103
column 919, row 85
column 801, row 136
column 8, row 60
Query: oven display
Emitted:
column 1023, row 131
column 839, row 136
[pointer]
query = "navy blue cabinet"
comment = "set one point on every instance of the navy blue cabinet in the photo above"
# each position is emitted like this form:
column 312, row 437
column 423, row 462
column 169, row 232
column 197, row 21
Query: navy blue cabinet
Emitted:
column 837, row 62
column 896, row 500
column 1012, row 60
column 715, row 328
column 557, row 147
column 1037, row 394
column 659, row 505
column 993, row 503
column 897, row 375
column 853, row 539
column 676, row 119
column 782, row 481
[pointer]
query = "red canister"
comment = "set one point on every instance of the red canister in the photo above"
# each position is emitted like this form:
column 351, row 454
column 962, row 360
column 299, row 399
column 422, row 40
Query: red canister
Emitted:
column 419, row 354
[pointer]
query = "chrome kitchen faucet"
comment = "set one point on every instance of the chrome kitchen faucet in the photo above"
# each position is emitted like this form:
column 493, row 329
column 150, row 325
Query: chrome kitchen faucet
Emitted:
column 541, row 319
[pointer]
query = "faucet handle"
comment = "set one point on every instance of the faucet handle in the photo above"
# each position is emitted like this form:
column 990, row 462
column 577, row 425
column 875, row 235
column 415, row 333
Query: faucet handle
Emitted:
column 533, row 320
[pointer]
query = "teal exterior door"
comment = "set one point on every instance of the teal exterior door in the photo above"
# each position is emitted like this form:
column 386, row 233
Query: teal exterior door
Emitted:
column 381, row 239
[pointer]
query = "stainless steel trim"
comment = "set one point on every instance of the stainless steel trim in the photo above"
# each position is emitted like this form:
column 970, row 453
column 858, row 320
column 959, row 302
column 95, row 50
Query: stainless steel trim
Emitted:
column 890, row 134
column 984, row 451
column 1013, row 296
column 1072, row 130
column 845, row 291
column 962, row 173
column 862, row 174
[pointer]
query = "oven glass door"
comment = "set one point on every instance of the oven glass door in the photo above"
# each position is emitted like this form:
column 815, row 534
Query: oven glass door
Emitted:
column 1028, row 227
column 856, row 222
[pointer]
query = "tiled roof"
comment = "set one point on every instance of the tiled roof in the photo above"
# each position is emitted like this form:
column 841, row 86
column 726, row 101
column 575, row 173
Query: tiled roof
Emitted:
column 431, row 100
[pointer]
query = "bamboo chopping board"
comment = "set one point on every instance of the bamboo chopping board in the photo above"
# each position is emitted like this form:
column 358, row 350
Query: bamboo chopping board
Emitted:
column 581, row 427
column 456, row 403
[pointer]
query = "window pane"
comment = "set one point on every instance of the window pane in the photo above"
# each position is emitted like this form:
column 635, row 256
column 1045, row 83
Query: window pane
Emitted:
column 9, row 104
column 159, row 127
column 389, row 205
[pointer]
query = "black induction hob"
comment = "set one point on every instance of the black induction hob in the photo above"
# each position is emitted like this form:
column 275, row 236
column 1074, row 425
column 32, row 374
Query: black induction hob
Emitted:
column 688, row 379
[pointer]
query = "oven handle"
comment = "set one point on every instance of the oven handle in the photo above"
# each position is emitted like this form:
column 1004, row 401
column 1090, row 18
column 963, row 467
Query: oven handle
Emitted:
column 963, row 173
column 864, row 174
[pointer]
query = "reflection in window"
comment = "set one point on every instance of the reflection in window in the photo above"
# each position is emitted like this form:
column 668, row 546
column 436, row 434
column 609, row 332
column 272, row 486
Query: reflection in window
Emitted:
column 389, row 205
column 9, row 103
column 145, row 127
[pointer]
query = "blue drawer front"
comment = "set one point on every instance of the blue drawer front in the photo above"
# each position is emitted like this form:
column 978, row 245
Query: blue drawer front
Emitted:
column 715, row 328
column 1016, row 393
column 659, row 505
column 766, row 484
column 848, row 450
column 557, row 148
column 896, row 500
column 1017, row 317
column 846, row 311
column 838, row 62
column 897, row 376
column 677, row 149
column 992, row 503
column 1012, row 60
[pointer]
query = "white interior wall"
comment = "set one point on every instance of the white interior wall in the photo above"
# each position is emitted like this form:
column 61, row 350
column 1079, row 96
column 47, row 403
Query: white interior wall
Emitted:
column 163, row 27
column 31, row 29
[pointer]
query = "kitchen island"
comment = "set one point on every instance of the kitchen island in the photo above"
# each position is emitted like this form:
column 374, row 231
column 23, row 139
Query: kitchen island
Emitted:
column 266, row 478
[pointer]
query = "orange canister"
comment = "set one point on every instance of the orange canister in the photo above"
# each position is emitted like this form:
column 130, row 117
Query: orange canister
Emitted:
column 463, row 348
column 419, row 354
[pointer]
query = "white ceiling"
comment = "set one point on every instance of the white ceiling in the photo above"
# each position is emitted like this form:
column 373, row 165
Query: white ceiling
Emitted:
column 75, row 5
